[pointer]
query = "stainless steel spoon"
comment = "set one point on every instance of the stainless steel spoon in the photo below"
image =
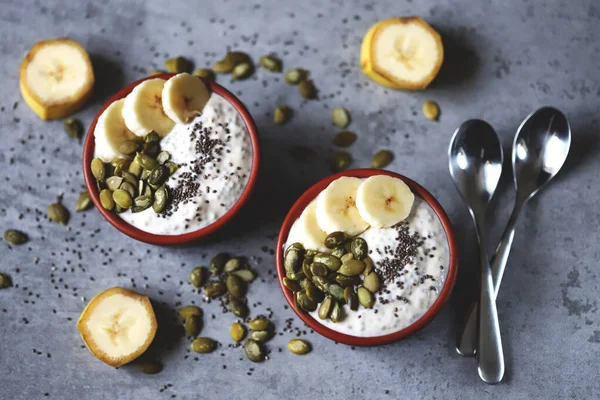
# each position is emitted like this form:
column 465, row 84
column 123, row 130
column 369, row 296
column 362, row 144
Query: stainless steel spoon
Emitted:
column 475, row 161
column 539, row 150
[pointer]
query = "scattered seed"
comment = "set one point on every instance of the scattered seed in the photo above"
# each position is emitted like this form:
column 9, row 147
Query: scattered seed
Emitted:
column 270, row 63
column 282, row 114
column 73, row 127
column 5, row 281
column 237, row 332
column 295, row 76
column 431, row 110
column 178, row 65
column 242, row 71
column 382, row 159
column 193, row 325
column 344, row 139
column 341, row 161
column 259, row 324
column 203, row 345
column 298, row 346
column 84, row 201
column 254, row 351
column 197, row 277
column 15, row 237
column 150, row 368
column 189, row 311
column 340, row 117
column 307, row 89
column 58, row 213
column 205, row 73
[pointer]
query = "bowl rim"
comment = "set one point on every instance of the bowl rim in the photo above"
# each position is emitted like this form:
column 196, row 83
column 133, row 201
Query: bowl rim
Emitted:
column 138, row 234
column 299, row 206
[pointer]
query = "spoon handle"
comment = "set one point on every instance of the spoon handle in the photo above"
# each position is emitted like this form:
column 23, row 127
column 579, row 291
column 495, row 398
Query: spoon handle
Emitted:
column 491, row 356
column 467, row 341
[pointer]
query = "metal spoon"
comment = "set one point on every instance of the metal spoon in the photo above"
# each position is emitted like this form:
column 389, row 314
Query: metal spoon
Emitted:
column 475, row 161
column 539, row 151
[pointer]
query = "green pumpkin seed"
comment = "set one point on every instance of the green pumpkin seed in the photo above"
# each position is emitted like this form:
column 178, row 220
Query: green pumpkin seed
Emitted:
column 331, row 277
column 197, row 276
column 235, row 286
column 122, row 198
column 156, row 72
column 341, row 161
column 129, row 147
column 161, row 197
column 295, row 76
column 337, row 314
column 98, row 169
column 58, row 213
column 304, row 302
column 15, row 237
column 193, row 326
column 292, row 285
column 365, row 297
column 150, row 368
column 344, row 139
column 332, row 263
column 178, row 65
column 215, row 289
column 204, row 73
column 297, row 246
column 359, row 248
column 298, row 346
column 368, row 265
column 129, row 188
column 310, row 255
column 254, row 351
column 238, row 57
column 352, row 267
column 371, row 282
column 223, row 66
column 136, row 170
column 347, row 281
column 245, row 274
column 73, row 127
column 172, row 167
column 282, row 114
column 261, row 336
column 319, row 269
column 321, row 283
column 351, row 298
column 270, row 63
column 83, row 202
column 307, row 89
column 335, row 239
column 431, row 110
column 114, row 182
column 203, row 345
column 145, row 161
column 217, row 263
column 293, row 260
column 295, row 276
column 119, row 165
column 336, row 291
column 152, row 136
column 5, row 281
column 189, row 311
column 106, row 199
column 163, row 157
column 382, row 159
column 129, row 177
column 234, row 263
column 259, row 324
column 151, row 149
column 237, row 332
column 159, row 175
column 325, row 307
column 141, row 203
column 303, row 283
column 238, row 308
column 340, row 117
column 338, row 252
column 314, row 293
column 119, row 209
column 347, row 257
column 242, row 71
column 306, row 269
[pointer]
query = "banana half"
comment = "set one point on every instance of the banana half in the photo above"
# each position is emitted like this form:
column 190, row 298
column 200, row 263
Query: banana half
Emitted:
column 143, row 109
column 56, row 78
column 117, row 326
column 383, row 201
column 184, row 97
column 336, row 207
column 111, row 131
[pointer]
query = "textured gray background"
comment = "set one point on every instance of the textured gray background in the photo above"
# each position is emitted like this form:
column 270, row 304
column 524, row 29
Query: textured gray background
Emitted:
column 503, row 60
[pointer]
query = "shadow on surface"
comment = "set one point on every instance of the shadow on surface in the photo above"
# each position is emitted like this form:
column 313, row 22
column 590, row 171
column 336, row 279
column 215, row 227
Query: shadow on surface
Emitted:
column 109, row 78
column 460, row 60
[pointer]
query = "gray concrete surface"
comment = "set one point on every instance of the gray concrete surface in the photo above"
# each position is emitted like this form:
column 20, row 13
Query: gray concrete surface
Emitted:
column 504, row 59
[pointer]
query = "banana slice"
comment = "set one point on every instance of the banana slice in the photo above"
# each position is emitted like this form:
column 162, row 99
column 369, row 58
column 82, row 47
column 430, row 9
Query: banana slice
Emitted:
column 143, row 110
column 118, row 325
column 56, row 78
column 336, row 207
column 384, row 201
column 402, row 53
column 183, row 97
column 307, row 230
column 111, row 131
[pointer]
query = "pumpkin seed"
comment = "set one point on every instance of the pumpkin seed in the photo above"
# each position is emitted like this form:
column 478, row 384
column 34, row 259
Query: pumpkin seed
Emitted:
column 129, row 147
column 296, row 276
column 305, row 302
column 307, row 89
column 321, row 283
column 431, row 110
column 204, row 73
column 303, row 283
column 163, row 157
column 365, row 297
column 260, row 336
column 297, row 246
column 119, row 165
column 344, row 139
column 129, row 188
column 310, row 255
column 159, row 175
column 193, row 326
column 346, row 281
column 203, row 345
column 371, row 282
column 336, row 291
column 136, row 170
column 242, row 71
column 292, row 285
column 145, row 161
column 298, row 346
column 235, row 286
column 382, row 159
column 73, row 127
column 303, row 153
column 295, row 76
column 238, row 57
column 282, row 114
column 340, row 117
column 5, row 281
column 351, row 298
column 141, row 203
column 152, row 136
column 332, row 263
column 237, row 332
column 223, row 66
column 352, row 267
column 319, row 269
column 314, row 293
column 129, row 177
column 217, row 263
column 189, row 311
column 58, row 213
column 331, row 277
column 368, row 265
column 150, row 368
column 156, row 72
column 215, row 289
column 337, row 314
column 122, row 198
column 114, row 182
column 347, row 257
column 270, row 63
column 293, row 260
column 259, row 324
column 234, row 263
column 341, row 161
column 325, row 307
column 178, row 65
column 15, row 237
column 238, row 308
column 161, row 196
column 254, row 351
column 197, row 276
column 172, row 167
column 98, row 169
column 106, row 199
column 359, row 248
column 245, row 274
column 335, row 239
column 306, row 268
column 83, row 202
column 151, row 149
column 338, row 252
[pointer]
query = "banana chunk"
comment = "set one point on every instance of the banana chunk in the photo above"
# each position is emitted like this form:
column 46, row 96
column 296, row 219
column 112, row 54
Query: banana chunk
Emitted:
column 336, row 207
column 56, row 78
column 183, row 97
column 111, row 131
column 117, row 326
column 307, row 230
column 383, row 201
column 143, row 109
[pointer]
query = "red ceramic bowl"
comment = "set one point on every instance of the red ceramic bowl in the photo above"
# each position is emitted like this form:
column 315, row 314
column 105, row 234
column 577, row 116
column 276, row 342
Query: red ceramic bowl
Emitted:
column 418, row 190
column 120, row 224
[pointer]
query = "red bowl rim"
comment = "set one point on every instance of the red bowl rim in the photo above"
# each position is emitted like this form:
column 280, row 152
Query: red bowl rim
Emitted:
column 303, row 202
column 129, row 230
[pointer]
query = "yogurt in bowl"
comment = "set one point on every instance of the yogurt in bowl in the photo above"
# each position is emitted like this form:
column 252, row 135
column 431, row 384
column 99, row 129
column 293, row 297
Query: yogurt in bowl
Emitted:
column 411, row 263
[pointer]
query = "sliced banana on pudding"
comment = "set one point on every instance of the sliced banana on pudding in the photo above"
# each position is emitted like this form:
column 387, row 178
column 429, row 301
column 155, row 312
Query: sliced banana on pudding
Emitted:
column 111, row 131
column 336, row 207
column 384, row 201
column 183, row 97
column 143, row 109
column 117, row 326
column 307, row 230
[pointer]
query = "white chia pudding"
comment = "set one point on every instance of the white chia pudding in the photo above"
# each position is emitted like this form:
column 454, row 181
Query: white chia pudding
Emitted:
column 412, row 261
column 214, row 154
